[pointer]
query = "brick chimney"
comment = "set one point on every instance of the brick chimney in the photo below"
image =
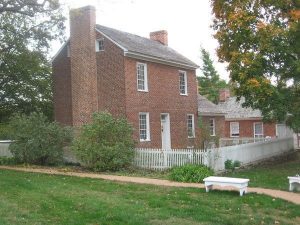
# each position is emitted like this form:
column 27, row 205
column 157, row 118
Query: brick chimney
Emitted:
column 224, row 94
column 83, row 64
column 160, row 36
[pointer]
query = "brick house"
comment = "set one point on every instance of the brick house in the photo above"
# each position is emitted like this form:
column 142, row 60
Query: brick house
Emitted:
column 212, row 122
column 243, row 122
column 144, row 80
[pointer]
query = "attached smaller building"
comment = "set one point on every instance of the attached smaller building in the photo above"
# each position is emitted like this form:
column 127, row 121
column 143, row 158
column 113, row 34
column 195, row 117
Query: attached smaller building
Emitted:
column 246, row 123
column 211, row 122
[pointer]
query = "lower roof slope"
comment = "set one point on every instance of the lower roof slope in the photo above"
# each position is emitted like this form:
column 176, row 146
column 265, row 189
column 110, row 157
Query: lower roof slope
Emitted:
column 235, row 110
column 208, row 108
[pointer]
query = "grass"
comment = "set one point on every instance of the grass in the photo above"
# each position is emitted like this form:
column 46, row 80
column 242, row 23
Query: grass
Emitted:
column 28, row 198
column 270, row 175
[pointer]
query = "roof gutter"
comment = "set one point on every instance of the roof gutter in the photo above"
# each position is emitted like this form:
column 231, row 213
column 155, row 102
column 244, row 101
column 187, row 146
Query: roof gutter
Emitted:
column 158, row 60
column 210, row 114
column 242, row 119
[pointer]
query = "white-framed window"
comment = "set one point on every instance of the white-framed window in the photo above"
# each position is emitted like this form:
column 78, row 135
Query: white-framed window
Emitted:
column 182, row 83
column 68, row 51
column 144, row 126
column 234, row 129
column 142, row 77
column 212, row 127
column 258, row 130
column 100, row 45
column 190, row 125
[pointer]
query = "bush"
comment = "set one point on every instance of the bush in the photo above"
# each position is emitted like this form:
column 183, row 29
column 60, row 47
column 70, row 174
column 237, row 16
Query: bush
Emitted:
column 236, row 163
column 4, row 131
column 105, row 144
column 229, row 164
column 190, row 173
column 6, row 160
column 36, row 140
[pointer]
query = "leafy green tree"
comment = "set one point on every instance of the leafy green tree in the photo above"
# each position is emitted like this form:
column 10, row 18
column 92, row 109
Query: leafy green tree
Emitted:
column 36, row 140
column 26, row 30
column 105, row 144
column 210, row 83
column 260, row 39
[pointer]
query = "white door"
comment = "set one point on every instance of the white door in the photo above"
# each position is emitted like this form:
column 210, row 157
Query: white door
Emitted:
column 165, row 131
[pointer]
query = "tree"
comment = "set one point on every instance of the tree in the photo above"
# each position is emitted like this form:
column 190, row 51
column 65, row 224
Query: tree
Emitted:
column 26, row 29
column 210, row 83
column 260, row 39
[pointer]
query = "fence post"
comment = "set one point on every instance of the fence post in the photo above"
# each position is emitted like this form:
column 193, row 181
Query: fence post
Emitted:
column 165, row 158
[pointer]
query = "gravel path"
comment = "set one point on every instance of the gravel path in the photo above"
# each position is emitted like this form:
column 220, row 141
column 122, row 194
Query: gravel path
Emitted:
column 288, row 196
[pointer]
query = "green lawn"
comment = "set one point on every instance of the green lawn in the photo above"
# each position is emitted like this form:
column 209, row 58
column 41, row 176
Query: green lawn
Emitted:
column 27, row 198
column 271, row 175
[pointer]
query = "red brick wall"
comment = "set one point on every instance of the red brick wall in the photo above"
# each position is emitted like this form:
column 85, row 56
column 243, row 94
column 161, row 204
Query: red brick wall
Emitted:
column 61, row 75
column 219, row 124
column 219, row 129
column 111, row 78
column 83, row 64
column 246, row 128
column 163, row 97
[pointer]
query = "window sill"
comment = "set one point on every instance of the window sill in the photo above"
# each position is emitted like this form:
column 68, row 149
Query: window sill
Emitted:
column 184, row 94
column 143, row 91
column 191, row 137
column 147, row 140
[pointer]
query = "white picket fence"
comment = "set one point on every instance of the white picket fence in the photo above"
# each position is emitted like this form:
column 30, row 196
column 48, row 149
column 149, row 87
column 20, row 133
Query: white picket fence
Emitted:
column 160, row 159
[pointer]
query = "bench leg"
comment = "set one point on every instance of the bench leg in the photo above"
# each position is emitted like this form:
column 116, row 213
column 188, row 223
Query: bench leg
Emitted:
column 208, row 187
column 243, row 190
column 291, row 187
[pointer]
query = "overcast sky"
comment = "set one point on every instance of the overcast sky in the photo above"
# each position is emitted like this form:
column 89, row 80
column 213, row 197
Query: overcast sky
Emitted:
column 187, row 22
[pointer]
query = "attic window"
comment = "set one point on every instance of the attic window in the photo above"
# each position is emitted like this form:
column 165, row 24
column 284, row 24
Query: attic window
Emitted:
column 100, row 45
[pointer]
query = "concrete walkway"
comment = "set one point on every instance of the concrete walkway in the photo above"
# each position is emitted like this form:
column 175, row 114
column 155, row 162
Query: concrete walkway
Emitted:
column 288, row 196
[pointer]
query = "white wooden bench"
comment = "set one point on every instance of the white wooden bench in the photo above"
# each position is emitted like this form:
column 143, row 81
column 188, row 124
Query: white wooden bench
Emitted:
column 239, row 183
column 293, row 181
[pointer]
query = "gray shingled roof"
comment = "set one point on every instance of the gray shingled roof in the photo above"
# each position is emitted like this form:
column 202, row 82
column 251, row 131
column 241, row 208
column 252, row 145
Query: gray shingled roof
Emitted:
column 206, row 107
column 235, row 110
column 136, row 44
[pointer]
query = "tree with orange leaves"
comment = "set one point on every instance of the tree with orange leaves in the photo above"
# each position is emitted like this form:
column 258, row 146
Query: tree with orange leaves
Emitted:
column 260, row 40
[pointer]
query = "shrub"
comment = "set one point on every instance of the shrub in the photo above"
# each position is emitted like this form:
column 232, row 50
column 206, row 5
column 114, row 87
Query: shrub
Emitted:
column 105, row 144
column 229, row 164
column 190, row 173
column 236, row 163
column 6, row 160
column 4, row 131
column 36, row 140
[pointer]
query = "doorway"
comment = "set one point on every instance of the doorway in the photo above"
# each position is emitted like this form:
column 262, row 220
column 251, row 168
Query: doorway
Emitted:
column 165, row 131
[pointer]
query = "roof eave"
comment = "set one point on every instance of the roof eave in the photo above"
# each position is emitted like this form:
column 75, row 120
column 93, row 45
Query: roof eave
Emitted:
column 113, row 41
column 137, row 55
column 211, row 114
column 58, row 52
column 243, row 118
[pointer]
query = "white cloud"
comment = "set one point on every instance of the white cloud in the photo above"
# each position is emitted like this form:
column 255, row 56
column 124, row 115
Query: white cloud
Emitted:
column 187, row 22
